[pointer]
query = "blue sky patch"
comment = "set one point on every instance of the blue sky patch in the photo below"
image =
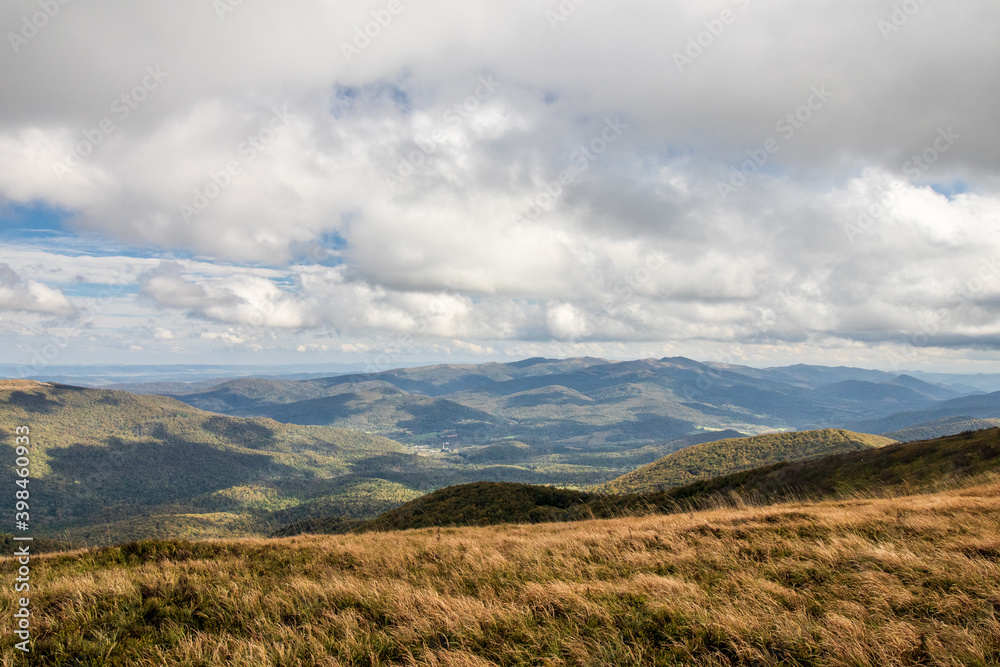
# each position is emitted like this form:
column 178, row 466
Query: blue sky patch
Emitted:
column 32, row 221
column 951, row 190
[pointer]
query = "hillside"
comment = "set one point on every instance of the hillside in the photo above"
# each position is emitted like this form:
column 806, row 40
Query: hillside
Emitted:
column 113, row 465
column 389, row 411
column 894, row 469
column 123, row 466
column 475, row 504
column 116, row 466
column 722, row 457
column 893, row 582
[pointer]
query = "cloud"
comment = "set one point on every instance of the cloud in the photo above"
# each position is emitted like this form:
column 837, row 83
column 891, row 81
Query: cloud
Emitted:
column 442, row 185
column 19, row 295
column 351, row 124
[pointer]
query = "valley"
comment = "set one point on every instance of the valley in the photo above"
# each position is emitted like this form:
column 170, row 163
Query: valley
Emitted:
column 251, row 456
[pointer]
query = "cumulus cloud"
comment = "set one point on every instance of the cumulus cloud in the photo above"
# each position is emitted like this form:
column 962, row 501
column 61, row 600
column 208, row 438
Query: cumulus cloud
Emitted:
column 31, row 296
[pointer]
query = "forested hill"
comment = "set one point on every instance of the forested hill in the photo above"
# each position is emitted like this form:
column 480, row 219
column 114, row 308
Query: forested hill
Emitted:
column 721, row 457
column 113, row 465
column 894, row 469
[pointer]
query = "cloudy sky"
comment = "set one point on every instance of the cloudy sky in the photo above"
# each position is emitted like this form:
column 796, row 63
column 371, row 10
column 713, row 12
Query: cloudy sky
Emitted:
column 753, row 181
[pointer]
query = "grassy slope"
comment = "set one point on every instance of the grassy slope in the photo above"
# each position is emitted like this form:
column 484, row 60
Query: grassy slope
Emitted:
column 111, row 463
column 726, row 456
column 894, row 582
column 898, row 469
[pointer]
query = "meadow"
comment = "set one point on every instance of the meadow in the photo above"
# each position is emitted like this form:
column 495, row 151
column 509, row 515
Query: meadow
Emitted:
column 909, row 580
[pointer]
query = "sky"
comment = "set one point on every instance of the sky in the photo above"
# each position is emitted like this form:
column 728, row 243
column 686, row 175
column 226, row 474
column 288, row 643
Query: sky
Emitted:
column 383, row 182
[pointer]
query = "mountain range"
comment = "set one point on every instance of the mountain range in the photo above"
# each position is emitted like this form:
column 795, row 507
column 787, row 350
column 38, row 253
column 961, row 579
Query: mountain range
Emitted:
column 245, row 456
column 570, row 409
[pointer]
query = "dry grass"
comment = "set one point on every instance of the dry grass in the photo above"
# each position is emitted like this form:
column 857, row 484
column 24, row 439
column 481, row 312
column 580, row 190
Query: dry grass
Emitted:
column 22, row 384
column 902, row 581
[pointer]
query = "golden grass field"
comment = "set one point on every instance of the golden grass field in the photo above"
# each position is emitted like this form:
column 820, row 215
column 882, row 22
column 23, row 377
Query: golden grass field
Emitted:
column 913, row 580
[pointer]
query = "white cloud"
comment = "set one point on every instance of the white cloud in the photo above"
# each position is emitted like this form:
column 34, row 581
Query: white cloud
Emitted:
column 31, row 296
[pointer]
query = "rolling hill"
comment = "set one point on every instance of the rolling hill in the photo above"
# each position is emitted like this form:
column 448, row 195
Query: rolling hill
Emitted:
column 890, row 469
column 114, row 466
column 579, row 422
column 474, row 504
column 722, row 457
column 895, row 469
column 108, row 463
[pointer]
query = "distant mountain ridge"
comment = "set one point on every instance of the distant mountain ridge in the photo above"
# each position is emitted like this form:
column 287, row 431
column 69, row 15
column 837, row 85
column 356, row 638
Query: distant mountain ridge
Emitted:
column 261, row 453
column 587, row 403
column 112, row 465
column 977, row 406
column 941, row 427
